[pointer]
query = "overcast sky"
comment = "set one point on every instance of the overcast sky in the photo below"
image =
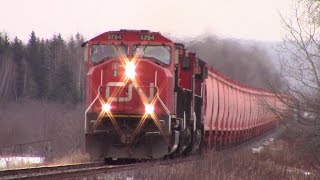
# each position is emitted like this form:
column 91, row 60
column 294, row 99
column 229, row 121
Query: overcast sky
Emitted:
column 243, row 19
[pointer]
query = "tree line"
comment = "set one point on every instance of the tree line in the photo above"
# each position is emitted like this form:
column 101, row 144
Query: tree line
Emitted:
column 43, row 69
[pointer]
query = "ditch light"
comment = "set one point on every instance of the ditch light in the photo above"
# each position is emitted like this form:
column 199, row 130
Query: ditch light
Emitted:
column 149, row 108
column 106, row 107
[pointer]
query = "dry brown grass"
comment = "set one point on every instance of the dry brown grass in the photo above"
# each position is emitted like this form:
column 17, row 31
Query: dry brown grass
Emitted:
column 18, row 164
column 277, row 161
column 225, row 166
column 75, row 157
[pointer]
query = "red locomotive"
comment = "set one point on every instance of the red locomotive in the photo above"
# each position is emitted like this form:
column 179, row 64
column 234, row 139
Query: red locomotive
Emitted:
column 149, row 97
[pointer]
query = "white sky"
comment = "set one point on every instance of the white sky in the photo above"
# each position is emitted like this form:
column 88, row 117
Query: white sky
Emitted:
column 243, row 19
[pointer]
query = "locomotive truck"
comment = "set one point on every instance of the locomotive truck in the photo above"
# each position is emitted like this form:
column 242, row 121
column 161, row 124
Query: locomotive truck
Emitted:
column 149, row 97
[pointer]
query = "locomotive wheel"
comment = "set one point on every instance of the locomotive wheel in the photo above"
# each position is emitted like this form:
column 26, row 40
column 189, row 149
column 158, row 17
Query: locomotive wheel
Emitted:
column 195, row 144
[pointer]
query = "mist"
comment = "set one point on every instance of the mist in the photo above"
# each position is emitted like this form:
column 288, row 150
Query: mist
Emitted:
column 245, row 62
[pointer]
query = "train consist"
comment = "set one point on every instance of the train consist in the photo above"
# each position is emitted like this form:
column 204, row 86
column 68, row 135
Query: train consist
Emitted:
column 148, row 97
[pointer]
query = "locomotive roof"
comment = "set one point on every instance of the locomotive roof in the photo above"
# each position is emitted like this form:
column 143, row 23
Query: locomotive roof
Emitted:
column 131, row 35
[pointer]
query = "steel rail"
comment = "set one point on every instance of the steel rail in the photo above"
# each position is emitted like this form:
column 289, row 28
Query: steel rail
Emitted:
column 16, row 173
column 82, row 170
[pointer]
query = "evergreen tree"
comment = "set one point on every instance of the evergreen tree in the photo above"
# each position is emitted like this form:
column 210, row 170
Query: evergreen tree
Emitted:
column 18, row 57
column 4, row 43
column 37, row 67
column 6, row 68
column 57, row 56
column 43, row 66
column 49, row 69
column 4, row 46
column 64, row 84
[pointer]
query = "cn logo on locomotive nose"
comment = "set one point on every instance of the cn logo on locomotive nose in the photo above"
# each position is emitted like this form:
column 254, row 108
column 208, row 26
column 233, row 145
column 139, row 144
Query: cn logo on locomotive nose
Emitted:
column 115, row 65
column 129, row 93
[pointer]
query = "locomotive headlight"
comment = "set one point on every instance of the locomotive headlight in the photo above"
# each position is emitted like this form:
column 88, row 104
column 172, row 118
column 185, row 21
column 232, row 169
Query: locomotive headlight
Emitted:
column 130, row 70
column 149, row 108
column 106, row 107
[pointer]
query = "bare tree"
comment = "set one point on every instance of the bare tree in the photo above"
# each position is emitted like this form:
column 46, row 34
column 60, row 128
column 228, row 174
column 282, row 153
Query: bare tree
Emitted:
column 300, row 70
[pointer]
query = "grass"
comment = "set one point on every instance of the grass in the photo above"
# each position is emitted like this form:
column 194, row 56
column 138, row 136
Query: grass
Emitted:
column 17, row 163
column 72, row 158
column 228, row 165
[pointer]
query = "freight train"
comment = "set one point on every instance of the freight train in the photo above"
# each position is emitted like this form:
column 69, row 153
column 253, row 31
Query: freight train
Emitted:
column 149, row 97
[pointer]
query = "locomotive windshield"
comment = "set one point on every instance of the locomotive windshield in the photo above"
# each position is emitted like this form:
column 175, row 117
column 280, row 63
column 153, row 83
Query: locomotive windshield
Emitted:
column 157, row 52
column 101, row 52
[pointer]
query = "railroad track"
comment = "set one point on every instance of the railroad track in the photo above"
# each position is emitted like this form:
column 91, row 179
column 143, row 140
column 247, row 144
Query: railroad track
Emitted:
column 47, row 171
column 75, row 171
